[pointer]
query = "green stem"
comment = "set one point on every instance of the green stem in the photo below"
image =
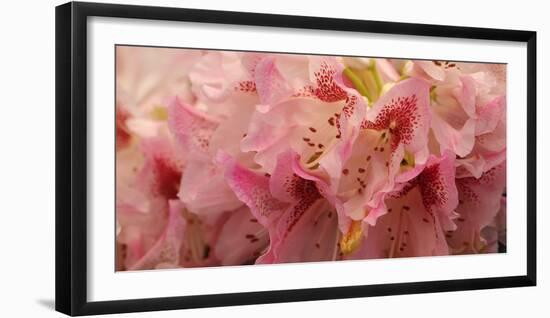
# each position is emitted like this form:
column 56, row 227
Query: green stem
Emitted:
column 357, row 83
column 377, row 79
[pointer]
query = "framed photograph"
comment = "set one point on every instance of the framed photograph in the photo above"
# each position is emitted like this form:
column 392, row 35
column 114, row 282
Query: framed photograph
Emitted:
column 210, row 158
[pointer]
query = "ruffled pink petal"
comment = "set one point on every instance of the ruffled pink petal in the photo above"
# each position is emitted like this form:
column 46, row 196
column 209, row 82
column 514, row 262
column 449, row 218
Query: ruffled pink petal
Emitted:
column 204, row 190
column 371, row 169
column 431, row 69
column 438, row 182
column 318, row 123
column 161, row 171
column 387, row 70
column 480, row 202
column 416, row 214
column 138, row 230
column 145, row 76
column 472, row 166
column 294, row 69
column 324, row 188
column 398, row 123
column 252, row 189
column 404, row 112
column 269, row 133
column 307, row 230
column 489, row 151
column 166, row 251
column 141, row 201
column 306, row 233
column 460, row 141
column 466, row 95
column 231, row 131
column 288, row 206
column 492, row 142
column 242, row 238
column 323, row 72
column 438, row 189
column 250, row 61
column 307, row 126
column 490, row 115
column 490, row 78
column 216, row 76
column 408, row 229
column 270, row 84
column 192, row 129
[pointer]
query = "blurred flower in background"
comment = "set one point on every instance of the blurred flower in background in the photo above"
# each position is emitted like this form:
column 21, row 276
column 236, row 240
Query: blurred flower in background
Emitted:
column 233, row 158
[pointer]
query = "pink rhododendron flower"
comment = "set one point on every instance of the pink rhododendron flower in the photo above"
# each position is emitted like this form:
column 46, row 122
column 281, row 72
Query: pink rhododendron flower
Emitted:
column 480, row 201
column 416, row 214
column 392, row 143
column 234, row 158
column 318, row 116
column 301, row 223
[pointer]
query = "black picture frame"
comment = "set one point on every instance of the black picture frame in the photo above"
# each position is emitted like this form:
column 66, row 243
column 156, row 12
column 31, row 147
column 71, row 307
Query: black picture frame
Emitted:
column 71, row 157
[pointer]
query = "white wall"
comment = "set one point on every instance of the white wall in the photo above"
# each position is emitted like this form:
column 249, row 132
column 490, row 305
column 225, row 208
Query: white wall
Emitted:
column 27, row 158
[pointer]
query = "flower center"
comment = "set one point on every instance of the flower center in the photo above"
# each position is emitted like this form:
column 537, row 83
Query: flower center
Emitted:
column 366, row 81
column 408, row 161
column 352, row 239
column 197, row 250
column 159, row 113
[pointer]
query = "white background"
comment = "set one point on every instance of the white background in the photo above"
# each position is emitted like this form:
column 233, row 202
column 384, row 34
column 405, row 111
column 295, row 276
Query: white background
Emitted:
column 27, row 160
column 105, row 284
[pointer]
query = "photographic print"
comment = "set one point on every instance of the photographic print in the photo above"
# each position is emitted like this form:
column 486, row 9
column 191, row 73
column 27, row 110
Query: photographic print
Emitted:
column 242, row 158
column 227, row 158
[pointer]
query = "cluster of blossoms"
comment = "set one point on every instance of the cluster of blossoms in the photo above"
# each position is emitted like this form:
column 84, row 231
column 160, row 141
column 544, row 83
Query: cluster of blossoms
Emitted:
column 232, row 158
